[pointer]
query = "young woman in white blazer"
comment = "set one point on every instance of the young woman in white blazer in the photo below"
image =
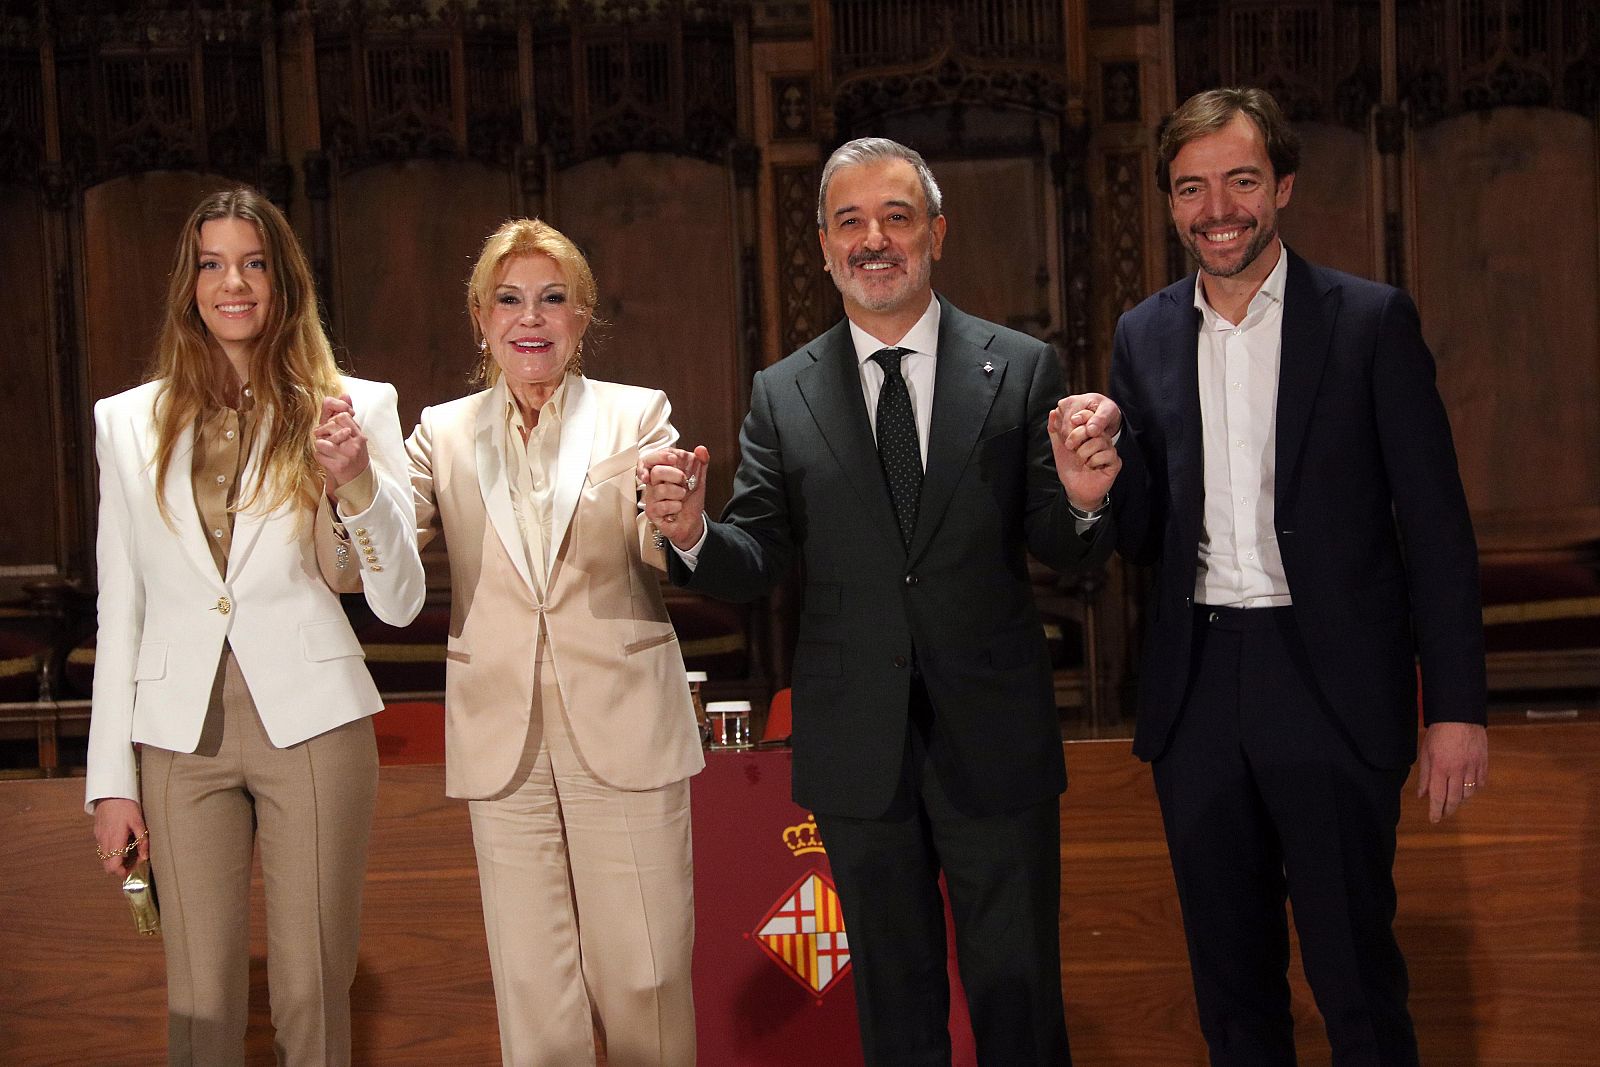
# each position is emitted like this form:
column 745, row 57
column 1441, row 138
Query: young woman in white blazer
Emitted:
column 231, row 699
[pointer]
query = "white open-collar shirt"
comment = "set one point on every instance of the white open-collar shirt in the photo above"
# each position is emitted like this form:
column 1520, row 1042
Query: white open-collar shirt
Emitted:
column 1240, row 564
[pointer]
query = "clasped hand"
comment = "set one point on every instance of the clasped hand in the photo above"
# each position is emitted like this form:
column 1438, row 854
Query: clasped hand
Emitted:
column 340, row 445
column 674, row 483
column 1082, row 430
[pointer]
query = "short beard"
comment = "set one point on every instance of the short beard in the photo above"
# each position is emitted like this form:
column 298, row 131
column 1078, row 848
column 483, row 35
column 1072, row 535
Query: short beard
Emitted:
column 1257, row 245
column 853, row 288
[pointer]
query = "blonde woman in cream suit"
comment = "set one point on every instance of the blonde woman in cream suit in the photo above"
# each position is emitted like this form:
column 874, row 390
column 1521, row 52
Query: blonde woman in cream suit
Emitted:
column 223, row 652
column 568, row 726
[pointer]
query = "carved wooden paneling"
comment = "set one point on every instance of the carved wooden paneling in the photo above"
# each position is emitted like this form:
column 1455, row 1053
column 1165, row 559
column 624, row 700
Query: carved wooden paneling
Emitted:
column 1457, row 55
column 28, row 522
column 1119, row 92
column 998, row 261
column 1331, row 218
column 130, row 231
column 1320, row 59
column 21, row 113
column 1323, row 58
column 1123, row 231
column 793, row 107
column 402, row 288
column 666, row 265
column 890, row 56
column 151, row 86
column 1506, row 280
column 808, row 303
column 883, row 33
column 622, row 77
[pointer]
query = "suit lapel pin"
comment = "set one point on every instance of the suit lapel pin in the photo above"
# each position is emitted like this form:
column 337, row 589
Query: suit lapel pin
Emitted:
column 988, row 367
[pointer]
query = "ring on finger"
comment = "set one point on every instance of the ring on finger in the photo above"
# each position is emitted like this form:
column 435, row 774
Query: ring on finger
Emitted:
column 693, row 481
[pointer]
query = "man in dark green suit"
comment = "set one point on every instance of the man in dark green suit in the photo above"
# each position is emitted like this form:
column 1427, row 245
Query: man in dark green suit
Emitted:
column 909, row 459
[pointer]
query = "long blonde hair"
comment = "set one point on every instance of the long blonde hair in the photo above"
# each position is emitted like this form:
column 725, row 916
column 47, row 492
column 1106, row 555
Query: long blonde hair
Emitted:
column 528, row 237
column 291, row 363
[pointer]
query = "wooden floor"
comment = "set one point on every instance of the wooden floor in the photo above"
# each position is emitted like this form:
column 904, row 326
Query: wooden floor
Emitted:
column 1499, row 916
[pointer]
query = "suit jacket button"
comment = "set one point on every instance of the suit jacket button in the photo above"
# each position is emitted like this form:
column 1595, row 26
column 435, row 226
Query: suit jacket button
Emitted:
column 899, row 661
column 912, row 579
column 224, row 605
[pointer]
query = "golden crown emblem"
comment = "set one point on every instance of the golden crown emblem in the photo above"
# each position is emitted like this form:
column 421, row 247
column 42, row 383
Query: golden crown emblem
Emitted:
column 803, row 838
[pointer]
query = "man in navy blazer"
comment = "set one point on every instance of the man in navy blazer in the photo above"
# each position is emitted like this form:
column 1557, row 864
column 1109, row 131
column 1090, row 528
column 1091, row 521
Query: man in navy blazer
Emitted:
column 909, row 459
column 1289, row 474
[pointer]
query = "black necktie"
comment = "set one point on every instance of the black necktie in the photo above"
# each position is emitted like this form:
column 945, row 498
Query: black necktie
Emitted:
column 898, row 450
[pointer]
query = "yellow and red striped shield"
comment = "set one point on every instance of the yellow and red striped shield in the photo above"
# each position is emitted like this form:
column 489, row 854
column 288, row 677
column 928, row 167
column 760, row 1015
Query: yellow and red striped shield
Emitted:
column 804, row 933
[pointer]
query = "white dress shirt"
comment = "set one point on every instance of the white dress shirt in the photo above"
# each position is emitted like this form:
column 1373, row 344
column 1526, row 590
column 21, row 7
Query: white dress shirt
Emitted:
column 921, row 349
column 1240, row 565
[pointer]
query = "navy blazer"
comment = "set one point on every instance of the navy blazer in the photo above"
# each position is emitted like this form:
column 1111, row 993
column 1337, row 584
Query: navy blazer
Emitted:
column 958, row 605
column 1369, row 511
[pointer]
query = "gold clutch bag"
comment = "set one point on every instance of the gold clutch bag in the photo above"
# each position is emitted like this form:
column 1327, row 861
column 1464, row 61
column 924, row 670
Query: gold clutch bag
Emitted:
column 140, row 889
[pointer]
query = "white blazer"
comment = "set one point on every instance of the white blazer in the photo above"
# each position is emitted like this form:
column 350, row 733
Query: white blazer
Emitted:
column 164, row 611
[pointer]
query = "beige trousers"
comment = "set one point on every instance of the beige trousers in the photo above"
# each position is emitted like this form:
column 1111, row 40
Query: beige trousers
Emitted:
column 310, row 808
column 588, row 899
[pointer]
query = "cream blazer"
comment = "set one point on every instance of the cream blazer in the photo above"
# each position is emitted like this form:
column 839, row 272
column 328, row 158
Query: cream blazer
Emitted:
column 164, row 611
column 611, row 644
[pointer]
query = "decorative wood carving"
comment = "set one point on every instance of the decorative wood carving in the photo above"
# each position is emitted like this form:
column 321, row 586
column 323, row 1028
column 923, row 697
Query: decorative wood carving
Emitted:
column 140, row 85
column 807, row 300
column 1322, row 58
column 649, row 75
column 1124, row 228
column 21, row 110
column 793, row 107
column 968, row 52
column 1119, row 92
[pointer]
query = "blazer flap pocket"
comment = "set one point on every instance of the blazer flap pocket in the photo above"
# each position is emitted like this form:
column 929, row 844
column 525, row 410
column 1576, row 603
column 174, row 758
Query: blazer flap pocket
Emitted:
column 152, row 662
column 649, row 642
column 328, row 639
column 611, row 466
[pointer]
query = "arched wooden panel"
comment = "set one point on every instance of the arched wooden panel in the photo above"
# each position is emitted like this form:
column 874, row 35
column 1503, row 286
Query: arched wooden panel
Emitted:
column 659, row 234
column 1331, row 218
column 1000, row 261
column 130, row 230
column 1506, row 276
column 407, row 236
column 28, row 525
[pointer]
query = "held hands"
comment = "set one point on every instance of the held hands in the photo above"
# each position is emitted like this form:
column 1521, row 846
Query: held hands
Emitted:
column 1081, row 430
column 340, row 445
column 674, row 484
column 120, row 836
column 1452, row 766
